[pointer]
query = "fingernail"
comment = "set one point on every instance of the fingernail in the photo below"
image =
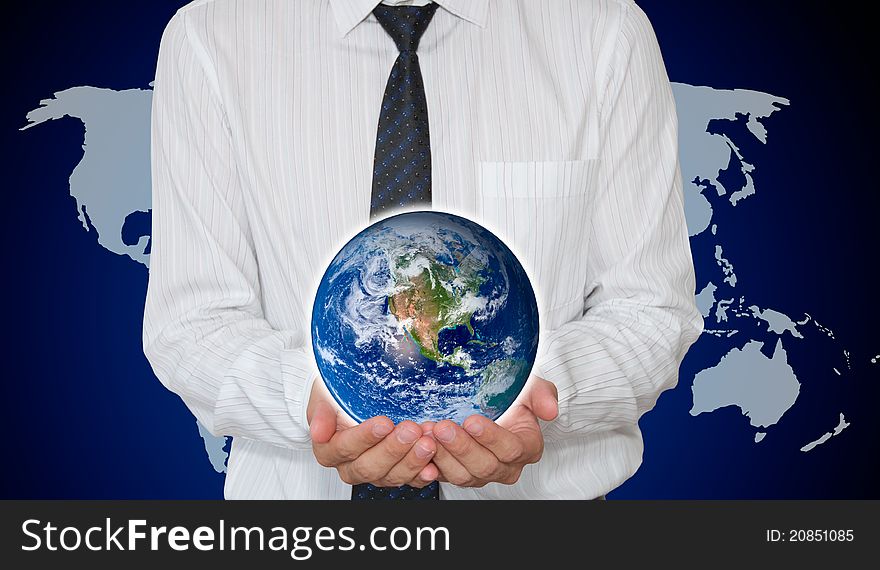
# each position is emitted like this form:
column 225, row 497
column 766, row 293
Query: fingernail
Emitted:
column 445, row 434
column 382, row 429
column 423, row 452
column 474, row 428
column 407, row 435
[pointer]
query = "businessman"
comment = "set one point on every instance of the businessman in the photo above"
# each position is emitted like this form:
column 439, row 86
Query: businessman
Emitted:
column 281, row 128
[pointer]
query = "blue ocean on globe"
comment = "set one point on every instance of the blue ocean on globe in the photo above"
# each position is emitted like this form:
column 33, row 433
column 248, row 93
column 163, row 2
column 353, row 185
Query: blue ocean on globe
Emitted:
column 425, row 316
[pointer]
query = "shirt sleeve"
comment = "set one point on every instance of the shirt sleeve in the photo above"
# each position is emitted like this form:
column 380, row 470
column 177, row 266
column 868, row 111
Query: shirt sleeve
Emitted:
column 204, row 332
column 640, row 316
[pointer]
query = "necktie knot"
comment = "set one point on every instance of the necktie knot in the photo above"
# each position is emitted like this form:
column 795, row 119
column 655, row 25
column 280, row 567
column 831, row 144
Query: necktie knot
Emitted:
column 405, row 24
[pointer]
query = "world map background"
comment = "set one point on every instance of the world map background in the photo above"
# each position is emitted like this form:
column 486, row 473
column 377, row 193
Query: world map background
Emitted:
column 86, row 418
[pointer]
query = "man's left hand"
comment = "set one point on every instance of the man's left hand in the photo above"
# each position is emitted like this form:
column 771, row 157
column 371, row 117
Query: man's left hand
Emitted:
column 481, row 451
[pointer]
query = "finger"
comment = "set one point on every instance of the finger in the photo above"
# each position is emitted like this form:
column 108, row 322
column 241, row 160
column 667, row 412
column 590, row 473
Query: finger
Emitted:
column 505, row 445
column 479, row 461
column 374, row 464
column 348, row 444
column 416, row 459
column 544, row 400
column 452, row 470
column 428, row 474
column 431, row 470
column 323, row 423
column 449, row 468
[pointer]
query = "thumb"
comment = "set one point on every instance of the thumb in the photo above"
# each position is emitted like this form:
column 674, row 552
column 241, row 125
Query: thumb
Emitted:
column 323, row 423
column 544, row 400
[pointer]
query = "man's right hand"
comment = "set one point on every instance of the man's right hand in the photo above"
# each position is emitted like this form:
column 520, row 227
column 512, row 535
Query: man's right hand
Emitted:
column 375, row 451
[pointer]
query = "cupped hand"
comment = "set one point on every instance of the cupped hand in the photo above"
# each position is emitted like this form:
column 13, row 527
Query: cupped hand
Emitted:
column 375, row 451
column 481, row 451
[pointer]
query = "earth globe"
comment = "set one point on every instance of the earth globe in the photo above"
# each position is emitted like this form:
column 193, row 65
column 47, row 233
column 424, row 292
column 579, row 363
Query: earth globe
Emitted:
column 425, row 316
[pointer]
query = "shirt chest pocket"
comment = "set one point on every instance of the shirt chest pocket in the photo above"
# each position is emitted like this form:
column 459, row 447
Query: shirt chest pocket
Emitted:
column 543, row 212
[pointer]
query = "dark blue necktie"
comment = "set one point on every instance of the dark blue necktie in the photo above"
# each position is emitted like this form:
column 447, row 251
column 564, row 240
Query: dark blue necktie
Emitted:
column 402, row 166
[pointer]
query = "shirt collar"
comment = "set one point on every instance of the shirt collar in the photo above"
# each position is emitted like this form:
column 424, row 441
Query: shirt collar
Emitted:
column 350, row 13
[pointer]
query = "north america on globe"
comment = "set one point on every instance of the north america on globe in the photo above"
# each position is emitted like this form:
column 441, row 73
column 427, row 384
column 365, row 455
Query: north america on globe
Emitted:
column 425, row 316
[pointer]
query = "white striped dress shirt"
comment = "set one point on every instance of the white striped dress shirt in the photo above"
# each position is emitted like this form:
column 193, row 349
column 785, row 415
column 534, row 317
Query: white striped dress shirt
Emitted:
column 552, row 123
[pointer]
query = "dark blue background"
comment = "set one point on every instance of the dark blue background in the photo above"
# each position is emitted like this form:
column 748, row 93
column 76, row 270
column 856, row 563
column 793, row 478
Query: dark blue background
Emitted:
column 83, row 417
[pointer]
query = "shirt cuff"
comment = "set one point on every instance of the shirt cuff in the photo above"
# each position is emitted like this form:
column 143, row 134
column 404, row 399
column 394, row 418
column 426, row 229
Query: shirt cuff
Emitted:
column 594, row 393
column 298, row 372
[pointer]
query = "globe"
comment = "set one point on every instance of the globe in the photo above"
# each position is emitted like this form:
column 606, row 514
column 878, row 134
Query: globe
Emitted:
column 425, row 316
